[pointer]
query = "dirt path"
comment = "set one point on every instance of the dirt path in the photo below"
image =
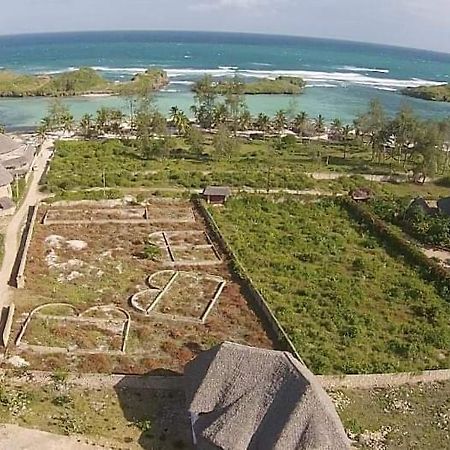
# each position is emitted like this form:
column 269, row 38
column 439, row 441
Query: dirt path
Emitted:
column 14, row 228
column 13, row 437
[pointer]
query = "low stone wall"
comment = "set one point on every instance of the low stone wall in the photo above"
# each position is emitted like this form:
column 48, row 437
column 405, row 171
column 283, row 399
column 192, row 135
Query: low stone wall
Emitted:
column 257, row 300
column 6, row 323
column 17, row 276
column 383, row 380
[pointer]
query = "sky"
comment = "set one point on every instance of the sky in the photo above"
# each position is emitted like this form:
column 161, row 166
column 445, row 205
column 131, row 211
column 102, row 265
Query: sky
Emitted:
column 408, row 23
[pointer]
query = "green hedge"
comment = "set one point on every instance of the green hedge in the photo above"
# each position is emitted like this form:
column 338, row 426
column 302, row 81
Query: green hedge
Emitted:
column 430, row 269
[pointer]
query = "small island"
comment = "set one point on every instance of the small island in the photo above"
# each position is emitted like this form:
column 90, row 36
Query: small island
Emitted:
column 83, row 81
column 439, row 93
column 280, row 85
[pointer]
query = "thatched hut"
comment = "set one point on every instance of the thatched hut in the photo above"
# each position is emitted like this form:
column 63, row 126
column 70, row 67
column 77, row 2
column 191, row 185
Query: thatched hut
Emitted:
column 242, row 397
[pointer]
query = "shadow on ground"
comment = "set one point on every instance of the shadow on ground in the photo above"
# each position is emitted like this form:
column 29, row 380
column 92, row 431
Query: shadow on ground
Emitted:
column 155, row 403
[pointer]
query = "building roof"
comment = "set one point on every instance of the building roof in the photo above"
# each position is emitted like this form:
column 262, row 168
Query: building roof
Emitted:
column 6, row 203
column 19, row 162
column 224, row 191
column 5, row 177
column 250, row 398
column 7, row 144
column 443, row 205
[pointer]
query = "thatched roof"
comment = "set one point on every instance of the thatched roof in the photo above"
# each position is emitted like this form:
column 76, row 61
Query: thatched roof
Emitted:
column 6, row 203
column 250, row 398
column 443, row 205
column 20, row 165
column 5, row 177
column 8, row 144
column 220, row 191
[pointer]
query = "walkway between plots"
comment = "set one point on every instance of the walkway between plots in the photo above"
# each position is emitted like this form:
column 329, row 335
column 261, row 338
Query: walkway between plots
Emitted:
column 14, row 228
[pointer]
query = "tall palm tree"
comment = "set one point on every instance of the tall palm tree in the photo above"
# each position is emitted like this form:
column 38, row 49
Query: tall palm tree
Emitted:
column 300, row 122
column 336, row 129
column 280, row 121
column 86, row 125
column 263, row 123
column 179, row 120
column 319, row 124
column 245, row 120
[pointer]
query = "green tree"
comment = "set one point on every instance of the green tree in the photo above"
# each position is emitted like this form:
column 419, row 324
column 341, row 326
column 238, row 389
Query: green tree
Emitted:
column 301, row 123
column 319, row 124
column 235, row 101
column 263, row 123
column 371, row 126
column 195, row 140
column 86, row 126
column 280, row 121
column 179, row 120
column 223, row 143
column 205, row 95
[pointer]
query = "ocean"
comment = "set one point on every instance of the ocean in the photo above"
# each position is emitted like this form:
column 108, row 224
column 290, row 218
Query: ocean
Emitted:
column 342, row 77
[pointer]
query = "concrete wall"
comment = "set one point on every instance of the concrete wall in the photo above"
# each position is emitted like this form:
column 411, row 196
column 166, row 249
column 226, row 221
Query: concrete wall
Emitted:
column 17, row 276
column 256, row 299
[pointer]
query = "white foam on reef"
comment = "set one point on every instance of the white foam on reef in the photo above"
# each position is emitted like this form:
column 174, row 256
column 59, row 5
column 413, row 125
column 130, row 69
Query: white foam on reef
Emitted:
column 362, row 69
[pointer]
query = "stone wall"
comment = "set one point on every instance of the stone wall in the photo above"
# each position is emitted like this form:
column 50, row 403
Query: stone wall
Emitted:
column 17, row 276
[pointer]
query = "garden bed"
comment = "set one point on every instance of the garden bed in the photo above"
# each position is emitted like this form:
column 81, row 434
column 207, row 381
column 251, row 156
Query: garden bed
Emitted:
column 101, row 266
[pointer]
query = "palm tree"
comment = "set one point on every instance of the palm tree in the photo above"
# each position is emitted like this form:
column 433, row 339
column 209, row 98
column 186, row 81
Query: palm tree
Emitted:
column 245, row 120
column 179, row 120
column 319, row 124
column 263, row 123
column 102, row 119
column 221, row 116
column 300, row 123
column 280, row 121
column 336, row 129
column 86, row 125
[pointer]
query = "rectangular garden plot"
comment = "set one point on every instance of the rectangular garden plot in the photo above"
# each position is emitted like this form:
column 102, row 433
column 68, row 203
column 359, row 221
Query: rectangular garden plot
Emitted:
column 87, row 274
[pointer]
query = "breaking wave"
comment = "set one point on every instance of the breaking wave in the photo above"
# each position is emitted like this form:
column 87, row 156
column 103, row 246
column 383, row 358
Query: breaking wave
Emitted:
column 352, row 76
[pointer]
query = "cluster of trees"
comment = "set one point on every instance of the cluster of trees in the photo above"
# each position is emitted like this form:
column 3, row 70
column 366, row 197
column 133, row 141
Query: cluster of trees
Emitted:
column 428, row 227
column 420, row 145
column 405, row 139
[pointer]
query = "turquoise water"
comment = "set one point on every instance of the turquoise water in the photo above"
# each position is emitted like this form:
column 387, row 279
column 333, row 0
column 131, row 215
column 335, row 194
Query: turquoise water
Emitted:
column 342, row 77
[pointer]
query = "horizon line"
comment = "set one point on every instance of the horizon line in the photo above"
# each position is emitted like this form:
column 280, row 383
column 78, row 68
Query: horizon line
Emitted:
column 248, row 33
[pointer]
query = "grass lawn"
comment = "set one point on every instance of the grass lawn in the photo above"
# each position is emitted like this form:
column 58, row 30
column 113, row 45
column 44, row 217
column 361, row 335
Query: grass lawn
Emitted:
column 407, row 417
column 347, row 304
column 122, row 418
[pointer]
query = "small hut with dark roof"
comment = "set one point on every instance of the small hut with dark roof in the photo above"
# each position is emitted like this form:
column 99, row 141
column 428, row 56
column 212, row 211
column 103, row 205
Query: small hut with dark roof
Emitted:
column 242, row 397
column 216, row 194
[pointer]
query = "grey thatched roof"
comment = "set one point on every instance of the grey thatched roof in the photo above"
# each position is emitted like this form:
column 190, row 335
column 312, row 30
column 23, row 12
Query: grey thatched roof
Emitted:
column 20, row 165
column 250, row 398
column 5, row 177
column 8, row 144
column 6, row 203
column 217, row 191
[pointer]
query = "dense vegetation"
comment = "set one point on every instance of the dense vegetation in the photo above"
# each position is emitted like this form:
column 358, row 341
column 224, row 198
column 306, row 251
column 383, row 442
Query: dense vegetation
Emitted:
column 180, row 163
column 429, row 228
column 439, row 93
column 279, row 85
column 348, row 306
column 78, row 82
